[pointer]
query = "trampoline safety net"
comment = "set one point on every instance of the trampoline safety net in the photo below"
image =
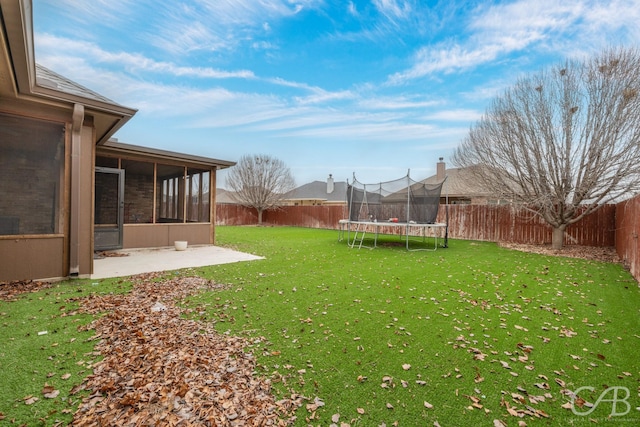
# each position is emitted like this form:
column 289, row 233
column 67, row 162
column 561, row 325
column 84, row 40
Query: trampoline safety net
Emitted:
column 402, row 200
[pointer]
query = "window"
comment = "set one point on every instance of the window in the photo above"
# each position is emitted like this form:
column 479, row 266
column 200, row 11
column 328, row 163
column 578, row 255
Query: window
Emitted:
column 170, row 184
column 183, row 194
column 197, row 195
column 32, row 175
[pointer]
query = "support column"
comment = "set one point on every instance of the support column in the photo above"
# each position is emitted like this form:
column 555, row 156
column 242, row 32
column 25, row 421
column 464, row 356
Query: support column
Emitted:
column 75, row 193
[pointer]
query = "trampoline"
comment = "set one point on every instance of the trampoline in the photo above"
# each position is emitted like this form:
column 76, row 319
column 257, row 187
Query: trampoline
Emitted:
column 401, row 207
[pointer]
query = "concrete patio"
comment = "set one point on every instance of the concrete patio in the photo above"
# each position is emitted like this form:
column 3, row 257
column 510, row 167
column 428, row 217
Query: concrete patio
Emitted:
column 136, row 261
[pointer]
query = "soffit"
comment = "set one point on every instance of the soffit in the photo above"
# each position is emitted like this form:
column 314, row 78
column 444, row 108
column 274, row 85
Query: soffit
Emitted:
column 135, row 152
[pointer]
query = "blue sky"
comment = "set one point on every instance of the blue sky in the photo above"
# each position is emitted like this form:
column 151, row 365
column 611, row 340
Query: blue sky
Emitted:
column 336, row 87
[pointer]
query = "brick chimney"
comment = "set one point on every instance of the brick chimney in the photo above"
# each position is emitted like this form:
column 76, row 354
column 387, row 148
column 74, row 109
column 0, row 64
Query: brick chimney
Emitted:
column 330, row 184
column 441, row 169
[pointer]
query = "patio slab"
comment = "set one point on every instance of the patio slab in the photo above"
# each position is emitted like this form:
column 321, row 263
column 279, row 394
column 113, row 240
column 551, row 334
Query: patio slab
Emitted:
column 137, row 261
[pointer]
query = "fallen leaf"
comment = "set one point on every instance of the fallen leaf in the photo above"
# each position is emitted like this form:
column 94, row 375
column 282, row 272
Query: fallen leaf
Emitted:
column 406, row 366
column 52, row 395
column 389, row 406
column 30, row 400
column 360, row 411
column 518, row 397
column 428, row 405
column 335, row 418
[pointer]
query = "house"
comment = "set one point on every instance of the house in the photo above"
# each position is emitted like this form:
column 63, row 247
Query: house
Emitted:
column 460, row 186
column 318, row 193
column 68, row 187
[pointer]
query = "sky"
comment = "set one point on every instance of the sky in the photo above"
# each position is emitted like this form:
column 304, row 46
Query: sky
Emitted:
column 371, row 88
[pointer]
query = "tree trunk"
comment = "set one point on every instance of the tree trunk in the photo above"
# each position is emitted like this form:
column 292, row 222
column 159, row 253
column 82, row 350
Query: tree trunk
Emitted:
column 557, row 240
column 260, row 216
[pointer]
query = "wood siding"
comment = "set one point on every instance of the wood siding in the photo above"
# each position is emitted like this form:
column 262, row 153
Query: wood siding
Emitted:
column 29, row 257
column 162, row 235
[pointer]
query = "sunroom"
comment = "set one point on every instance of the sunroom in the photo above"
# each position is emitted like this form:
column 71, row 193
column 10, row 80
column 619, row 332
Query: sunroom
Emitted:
column 147, row 197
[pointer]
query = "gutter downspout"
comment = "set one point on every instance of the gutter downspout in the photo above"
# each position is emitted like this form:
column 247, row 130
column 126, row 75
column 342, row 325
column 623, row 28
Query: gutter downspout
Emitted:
column 74, row 213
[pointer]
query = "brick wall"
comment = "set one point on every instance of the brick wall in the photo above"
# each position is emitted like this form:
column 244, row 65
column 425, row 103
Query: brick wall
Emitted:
column 138, row 197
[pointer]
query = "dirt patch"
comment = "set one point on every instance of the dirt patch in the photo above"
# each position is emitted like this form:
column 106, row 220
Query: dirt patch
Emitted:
column 607, row 254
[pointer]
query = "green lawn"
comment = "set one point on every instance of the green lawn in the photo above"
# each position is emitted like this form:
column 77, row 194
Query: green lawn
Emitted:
column 462, row 336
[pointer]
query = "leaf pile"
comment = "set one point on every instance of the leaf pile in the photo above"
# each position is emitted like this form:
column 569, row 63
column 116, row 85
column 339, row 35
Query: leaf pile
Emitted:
column 9, row 291
column 160, row 368
column 596, row 253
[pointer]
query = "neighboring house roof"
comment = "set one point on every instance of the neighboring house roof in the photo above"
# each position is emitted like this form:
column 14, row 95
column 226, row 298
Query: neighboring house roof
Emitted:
column 460, row 182
column 224, row 196
column 317, row 190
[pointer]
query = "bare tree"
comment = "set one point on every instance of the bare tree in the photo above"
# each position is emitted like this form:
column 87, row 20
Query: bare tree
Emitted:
column 562, row 142
column 260, row 182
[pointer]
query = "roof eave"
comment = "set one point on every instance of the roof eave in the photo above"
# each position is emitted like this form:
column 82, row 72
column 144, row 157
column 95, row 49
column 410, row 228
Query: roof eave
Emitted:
column 17, row 18
column 117, row 147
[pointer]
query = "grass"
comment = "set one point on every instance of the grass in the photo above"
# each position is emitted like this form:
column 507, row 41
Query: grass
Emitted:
column 367, row 330
column 374, row 334
column 44, row 344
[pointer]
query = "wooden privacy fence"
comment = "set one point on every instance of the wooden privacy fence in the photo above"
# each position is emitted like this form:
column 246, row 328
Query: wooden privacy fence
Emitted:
column 627, row 230
column 471, row 222
column 612, row 225
column 505, row 223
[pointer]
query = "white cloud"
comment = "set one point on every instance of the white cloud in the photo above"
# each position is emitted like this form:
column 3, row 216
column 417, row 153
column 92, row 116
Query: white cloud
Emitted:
column 496, row 31
column 394, row 9
column 395, row 103
column 107, row 12
column 430, row 60
column 215, row 25
column 352, row 9
column 62, row 48
column 457, row 115
column 323, row 96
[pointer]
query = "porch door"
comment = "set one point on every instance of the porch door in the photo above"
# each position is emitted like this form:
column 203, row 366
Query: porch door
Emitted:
column 109, row 209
